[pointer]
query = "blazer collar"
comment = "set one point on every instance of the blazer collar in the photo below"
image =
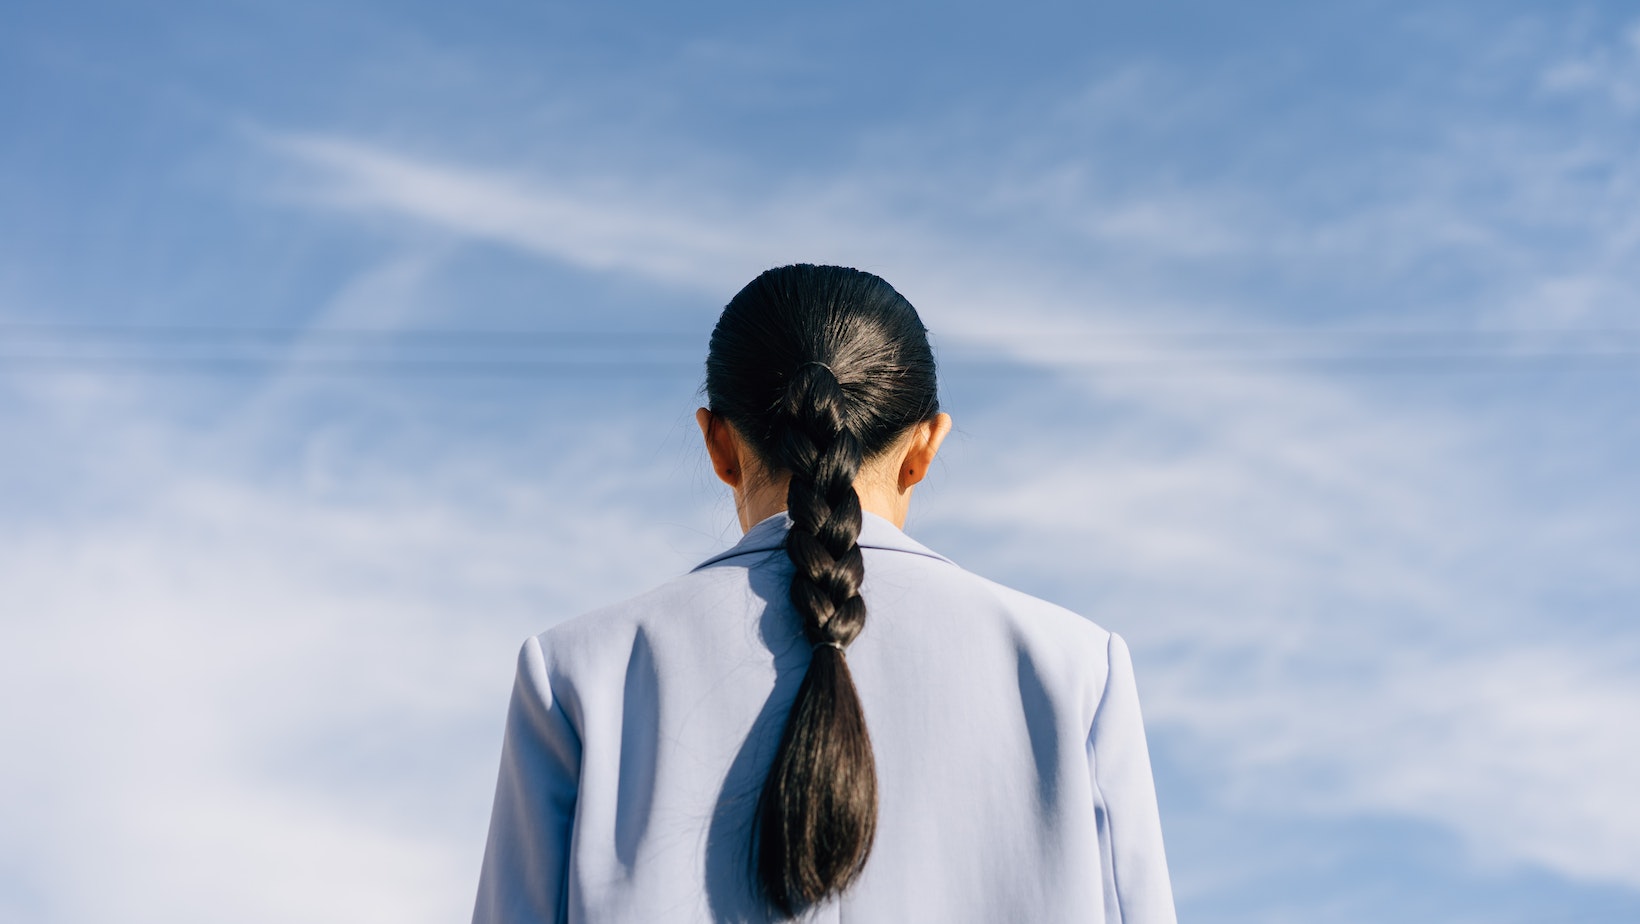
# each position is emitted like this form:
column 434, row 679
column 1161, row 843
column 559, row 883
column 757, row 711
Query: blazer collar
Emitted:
column 875, row 533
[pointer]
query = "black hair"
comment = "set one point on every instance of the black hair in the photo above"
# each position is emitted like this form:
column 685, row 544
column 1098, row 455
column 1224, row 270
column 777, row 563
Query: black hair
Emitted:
column 820, row 368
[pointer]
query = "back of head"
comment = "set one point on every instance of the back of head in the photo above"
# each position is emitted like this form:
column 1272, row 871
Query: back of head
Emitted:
column 820, row 368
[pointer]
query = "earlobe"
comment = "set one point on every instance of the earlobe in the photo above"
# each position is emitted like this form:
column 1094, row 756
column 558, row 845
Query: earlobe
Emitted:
column 911, row 476
column 925, row 443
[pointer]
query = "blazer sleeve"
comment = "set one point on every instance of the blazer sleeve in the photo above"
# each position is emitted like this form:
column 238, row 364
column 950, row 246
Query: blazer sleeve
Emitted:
column 1137, row 888
column 526, row 857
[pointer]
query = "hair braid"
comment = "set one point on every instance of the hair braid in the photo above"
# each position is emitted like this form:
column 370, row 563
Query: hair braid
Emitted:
column 818, row 814
column 823, row 458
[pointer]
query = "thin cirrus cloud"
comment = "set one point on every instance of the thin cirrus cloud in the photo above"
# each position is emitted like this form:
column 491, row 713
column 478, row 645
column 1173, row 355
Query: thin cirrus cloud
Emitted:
column 539, row 219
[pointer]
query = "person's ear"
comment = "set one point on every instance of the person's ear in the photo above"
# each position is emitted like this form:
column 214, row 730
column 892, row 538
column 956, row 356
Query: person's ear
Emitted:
column 926, row 438
column 722, row 446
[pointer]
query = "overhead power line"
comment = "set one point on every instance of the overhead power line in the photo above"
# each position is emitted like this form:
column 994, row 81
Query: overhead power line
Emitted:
column 471, row 352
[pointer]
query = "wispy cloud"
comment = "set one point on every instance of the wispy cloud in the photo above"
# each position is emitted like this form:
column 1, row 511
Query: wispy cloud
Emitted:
column 577, row 226
column 1608, row 70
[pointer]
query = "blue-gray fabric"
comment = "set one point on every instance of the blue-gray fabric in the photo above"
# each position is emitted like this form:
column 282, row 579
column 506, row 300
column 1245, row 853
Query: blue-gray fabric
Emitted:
column 1014, row 782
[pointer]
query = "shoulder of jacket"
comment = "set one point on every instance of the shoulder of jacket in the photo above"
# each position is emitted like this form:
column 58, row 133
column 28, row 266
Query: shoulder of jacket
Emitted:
column 1037, row 615
column 608, row 631
column 1061, row 648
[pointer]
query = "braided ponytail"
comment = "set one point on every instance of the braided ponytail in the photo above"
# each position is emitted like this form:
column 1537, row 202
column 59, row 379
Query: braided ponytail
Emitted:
column 822, row 789
column 821, row 368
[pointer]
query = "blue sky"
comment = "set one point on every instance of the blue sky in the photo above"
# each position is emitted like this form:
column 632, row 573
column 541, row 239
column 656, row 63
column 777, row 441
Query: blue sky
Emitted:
column 342, row 346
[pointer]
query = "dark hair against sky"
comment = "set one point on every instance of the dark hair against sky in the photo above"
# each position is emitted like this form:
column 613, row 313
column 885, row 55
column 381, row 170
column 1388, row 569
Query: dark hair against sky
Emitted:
column 821, row 368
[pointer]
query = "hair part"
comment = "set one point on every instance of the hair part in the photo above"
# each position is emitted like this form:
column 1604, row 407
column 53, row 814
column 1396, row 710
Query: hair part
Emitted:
column 820, row 368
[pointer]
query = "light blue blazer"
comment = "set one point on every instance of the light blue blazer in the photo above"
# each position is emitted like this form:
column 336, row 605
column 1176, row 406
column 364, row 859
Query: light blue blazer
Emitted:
column 1013, row 779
